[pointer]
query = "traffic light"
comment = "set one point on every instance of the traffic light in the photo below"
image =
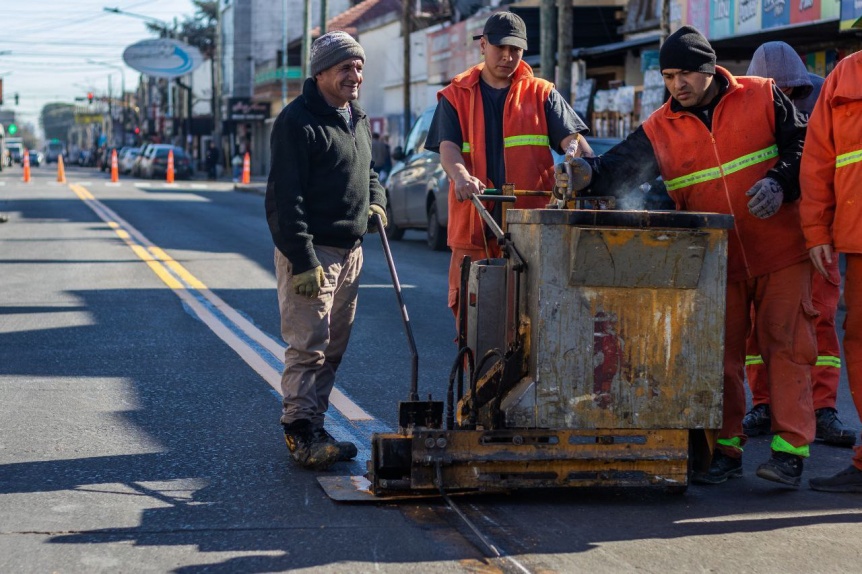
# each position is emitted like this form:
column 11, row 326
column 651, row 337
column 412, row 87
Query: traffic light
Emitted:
column 12, row 129
column 90, row 97
column 16, row 98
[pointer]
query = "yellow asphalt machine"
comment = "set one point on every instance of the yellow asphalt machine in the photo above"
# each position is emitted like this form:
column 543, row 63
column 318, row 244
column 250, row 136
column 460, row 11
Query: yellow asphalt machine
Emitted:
column 590, row 354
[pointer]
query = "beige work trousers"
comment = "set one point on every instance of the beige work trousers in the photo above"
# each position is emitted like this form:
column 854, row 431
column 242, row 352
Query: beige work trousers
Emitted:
column 316, row 330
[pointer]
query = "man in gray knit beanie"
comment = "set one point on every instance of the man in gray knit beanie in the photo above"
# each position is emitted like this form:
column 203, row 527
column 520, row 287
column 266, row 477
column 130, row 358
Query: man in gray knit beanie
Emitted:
column 332, row 48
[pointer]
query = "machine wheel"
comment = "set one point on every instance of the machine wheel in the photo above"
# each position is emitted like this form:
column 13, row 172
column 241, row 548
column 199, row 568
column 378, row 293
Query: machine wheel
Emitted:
column 393, row 232
column 436, row 232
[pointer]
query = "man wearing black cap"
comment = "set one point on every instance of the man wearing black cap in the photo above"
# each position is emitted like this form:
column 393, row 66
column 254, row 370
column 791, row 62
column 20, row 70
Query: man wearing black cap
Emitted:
column 495, row 124
column 321, row 192
column 733, row 145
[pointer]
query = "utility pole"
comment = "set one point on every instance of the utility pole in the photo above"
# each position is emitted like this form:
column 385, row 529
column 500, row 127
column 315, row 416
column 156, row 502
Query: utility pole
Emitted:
column 548, row 23
column 565, row 17
column 406, row 28
column 306, row 39
column 324, row 15
column 216, row 77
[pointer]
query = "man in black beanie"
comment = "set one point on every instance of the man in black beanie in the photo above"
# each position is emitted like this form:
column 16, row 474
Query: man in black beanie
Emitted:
column 732, row 145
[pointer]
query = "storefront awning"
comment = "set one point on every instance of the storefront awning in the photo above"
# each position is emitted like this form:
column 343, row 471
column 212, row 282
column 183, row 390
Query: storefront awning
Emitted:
column 602, row 50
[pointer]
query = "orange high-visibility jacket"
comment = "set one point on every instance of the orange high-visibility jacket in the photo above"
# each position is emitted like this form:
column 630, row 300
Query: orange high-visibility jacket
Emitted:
column 527, row 156
column 831, row 174
column 711, row 172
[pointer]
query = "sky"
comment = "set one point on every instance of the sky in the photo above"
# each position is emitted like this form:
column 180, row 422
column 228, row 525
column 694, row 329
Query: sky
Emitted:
column 45, row 46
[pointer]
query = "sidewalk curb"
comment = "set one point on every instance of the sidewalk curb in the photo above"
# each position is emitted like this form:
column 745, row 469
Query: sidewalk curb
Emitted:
column 259, row 188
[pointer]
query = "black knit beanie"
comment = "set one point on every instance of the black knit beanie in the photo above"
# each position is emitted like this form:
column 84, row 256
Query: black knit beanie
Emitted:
column 688, row 50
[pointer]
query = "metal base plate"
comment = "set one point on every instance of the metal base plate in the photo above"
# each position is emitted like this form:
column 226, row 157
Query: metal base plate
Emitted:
column 358, row 489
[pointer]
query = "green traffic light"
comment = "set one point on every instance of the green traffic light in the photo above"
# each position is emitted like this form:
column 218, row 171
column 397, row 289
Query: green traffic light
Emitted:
column 13, row 129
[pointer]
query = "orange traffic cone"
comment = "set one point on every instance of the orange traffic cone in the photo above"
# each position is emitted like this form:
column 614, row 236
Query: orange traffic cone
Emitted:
column 26, row 166
column 170, row 174
column 115, row 170
column 61, row 171
column 246, row 168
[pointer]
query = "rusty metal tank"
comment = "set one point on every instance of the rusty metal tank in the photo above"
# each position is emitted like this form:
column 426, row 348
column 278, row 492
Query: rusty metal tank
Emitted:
column 625, row 315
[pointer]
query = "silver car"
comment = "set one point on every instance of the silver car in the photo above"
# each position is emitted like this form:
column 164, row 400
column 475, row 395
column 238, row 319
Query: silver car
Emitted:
column 417, row 188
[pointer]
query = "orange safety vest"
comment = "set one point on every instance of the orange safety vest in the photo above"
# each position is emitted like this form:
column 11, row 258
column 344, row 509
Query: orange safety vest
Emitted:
column 832, row 161
column 526, row 147
column 711, row 172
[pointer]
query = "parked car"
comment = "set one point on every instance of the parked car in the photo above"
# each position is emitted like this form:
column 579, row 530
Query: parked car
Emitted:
column 53, row 150
column 418, row 189
column 127, row 159
column 37, row 158
column 136, row 165
column 155, row 162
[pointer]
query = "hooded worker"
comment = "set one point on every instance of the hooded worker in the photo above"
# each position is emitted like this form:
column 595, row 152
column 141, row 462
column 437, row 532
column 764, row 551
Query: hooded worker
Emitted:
column 779, row 61
column 726, row 144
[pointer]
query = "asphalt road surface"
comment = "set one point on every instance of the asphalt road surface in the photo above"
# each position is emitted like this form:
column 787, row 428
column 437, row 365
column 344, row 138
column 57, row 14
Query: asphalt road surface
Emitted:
column 139, row 367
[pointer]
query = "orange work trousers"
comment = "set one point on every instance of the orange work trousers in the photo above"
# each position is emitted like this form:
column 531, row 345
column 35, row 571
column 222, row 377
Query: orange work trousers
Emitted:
column 853, row 335
column 784, row 329
column 826, row 372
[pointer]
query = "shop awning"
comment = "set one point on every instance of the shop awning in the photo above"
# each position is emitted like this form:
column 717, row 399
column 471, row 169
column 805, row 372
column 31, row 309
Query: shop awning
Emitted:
column 602, row 50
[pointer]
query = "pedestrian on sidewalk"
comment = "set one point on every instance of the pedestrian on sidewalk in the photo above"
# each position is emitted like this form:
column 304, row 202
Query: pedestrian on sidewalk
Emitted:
column 779, row 61
column 236, row 164
column 212, row 159
column 321, row 193
column 831, row 218
column 726, row 144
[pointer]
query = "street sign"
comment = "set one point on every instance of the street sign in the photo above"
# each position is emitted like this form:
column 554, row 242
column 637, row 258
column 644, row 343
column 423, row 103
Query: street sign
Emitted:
column 162, row 58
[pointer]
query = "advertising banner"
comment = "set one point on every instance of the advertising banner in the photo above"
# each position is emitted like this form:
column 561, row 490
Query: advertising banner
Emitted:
column 698, row 15
column 722, row 19
column 804, row 11
column 748, row 16
column 851, row 10
column 775, row 13
column 830, row 9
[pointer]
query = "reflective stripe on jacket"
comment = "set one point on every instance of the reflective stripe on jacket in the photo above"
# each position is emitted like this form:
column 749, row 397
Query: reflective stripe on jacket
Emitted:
column 526, row 153
column 712, row 171
column 831, row 174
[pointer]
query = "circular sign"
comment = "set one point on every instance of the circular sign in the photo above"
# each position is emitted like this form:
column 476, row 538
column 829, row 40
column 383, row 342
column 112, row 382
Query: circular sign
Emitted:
column 162, row 58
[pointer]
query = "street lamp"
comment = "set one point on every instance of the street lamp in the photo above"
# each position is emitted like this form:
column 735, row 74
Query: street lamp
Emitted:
column 123, row 92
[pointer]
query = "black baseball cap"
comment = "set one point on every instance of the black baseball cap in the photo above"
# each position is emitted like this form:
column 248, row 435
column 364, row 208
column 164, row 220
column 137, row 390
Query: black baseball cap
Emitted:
column 505, row 29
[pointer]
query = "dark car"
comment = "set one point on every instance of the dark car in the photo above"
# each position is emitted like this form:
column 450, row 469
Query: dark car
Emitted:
column 36, row 157
column 418, row 189
column 155, row 163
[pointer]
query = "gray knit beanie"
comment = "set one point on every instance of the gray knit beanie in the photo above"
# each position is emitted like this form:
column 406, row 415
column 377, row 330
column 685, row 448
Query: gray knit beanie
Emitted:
column 332, row 48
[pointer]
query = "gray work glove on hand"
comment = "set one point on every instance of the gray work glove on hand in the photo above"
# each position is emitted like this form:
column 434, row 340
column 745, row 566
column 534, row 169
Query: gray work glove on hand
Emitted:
column 308, row 283
column 373, row 210
column 766, row 197
column 582, row 175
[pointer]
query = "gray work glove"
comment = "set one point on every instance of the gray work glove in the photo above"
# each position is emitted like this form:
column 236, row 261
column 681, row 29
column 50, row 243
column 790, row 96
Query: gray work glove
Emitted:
column 373, row 210
column 308, row 283
column 766, row 197
column 581, row 176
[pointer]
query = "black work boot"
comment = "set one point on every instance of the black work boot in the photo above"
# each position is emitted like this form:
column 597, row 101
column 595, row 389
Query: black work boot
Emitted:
column 782, row 467
column 831, row 430
column 308, row 450
column 848, row 480
column 721, row 468
column 757, row 421
column 346, row 450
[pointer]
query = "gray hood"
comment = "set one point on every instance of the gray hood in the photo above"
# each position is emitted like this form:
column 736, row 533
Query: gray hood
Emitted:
column 779, row 61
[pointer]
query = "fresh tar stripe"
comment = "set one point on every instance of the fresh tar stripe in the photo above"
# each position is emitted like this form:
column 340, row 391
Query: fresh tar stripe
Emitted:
column 259, row 350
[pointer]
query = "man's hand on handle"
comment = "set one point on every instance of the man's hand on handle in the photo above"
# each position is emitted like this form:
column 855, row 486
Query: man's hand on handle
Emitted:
column 373, row 210
column 580, row 178
column 821, row 256
column 468, row 186
column 308, row 283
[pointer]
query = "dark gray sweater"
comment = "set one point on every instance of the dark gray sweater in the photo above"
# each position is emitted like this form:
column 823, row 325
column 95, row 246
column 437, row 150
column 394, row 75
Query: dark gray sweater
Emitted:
column 321, row 181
